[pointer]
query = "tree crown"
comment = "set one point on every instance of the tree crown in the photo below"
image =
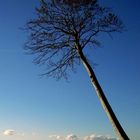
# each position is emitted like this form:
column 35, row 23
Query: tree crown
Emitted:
column 63, row 27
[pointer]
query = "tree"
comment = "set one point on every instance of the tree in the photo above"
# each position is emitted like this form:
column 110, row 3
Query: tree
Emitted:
column 59, row 35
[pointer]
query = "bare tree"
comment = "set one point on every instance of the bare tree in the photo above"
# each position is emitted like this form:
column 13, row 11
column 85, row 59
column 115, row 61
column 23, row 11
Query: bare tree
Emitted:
column 60, row 33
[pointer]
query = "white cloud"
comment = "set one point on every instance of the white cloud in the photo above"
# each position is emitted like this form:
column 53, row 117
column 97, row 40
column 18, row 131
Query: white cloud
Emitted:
column 71, row 137
column 98, row 137
column 9, row 132
column 68, row 137
column 56, row 137
column 75, row 137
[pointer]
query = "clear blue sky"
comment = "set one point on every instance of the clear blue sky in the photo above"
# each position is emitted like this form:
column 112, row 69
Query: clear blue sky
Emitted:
column 35, row 108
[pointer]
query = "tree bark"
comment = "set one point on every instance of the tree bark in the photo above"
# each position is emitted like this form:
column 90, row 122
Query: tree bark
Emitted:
column 104, row 102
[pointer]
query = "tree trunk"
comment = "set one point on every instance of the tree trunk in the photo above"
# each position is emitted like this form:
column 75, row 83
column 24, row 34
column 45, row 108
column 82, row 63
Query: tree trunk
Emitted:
column 105, row 104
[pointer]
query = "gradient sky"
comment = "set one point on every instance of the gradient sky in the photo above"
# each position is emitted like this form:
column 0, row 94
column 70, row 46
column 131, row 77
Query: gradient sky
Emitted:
column 33, row 108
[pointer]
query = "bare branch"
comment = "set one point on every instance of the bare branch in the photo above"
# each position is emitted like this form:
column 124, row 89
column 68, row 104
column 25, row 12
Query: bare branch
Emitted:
column 61, row 26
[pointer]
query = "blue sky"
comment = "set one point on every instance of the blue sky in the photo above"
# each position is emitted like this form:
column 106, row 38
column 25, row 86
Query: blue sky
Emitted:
column 35, row 108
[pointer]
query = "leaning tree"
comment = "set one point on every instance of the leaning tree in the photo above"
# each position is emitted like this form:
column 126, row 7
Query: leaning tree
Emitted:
column 61, row 32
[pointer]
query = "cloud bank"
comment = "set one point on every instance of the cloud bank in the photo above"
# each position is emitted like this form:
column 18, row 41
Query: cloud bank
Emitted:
column 75, row 137
column 98, row 137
